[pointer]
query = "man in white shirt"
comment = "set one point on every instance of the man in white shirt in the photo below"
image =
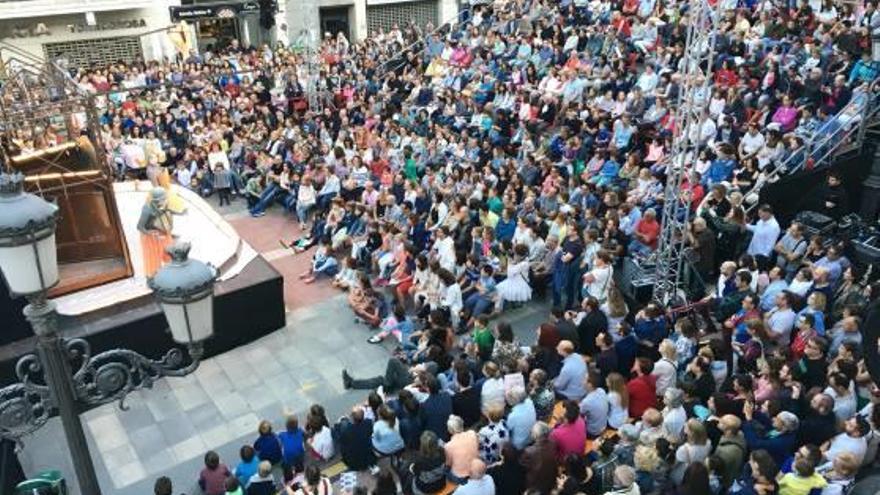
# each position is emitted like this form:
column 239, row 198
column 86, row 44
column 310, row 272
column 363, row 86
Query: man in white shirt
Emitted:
column 751, row 143
column 852, row 439
column 781, row 319
column 444, row 249
column 765, row 232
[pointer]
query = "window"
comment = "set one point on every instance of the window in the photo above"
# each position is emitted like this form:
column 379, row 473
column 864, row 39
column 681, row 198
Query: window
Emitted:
column 385, row 16
column 95, row 52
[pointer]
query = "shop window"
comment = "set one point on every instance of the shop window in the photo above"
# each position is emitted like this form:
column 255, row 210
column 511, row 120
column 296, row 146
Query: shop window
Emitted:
column 387, row 15
column 95, row 52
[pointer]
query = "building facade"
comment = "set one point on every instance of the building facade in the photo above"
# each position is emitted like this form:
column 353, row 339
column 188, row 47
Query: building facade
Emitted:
column 358, row 19
column 86, row 32
column 99, row 32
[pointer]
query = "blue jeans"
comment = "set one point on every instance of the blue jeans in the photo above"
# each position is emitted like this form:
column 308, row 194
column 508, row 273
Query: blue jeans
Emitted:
column 477, row 304
column 637, row 247
column 265, row 199
column 327, row 267
column 302, row 212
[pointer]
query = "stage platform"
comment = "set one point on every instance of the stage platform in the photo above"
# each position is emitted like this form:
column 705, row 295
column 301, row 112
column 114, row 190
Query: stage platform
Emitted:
column 249, row 297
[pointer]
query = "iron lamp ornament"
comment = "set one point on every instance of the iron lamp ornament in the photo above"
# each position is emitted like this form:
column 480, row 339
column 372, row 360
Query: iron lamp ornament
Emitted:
column 184, row 289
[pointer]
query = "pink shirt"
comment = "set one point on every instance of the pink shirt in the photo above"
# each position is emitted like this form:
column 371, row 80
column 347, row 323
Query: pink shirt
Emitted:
column 570, row 438
column 461, row 449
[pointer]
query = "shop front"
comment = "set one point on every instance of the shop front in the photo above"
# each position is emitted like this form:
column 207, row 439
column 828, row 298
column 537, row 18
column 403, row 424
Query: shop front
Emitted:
column 215, row 25
column 92, row 39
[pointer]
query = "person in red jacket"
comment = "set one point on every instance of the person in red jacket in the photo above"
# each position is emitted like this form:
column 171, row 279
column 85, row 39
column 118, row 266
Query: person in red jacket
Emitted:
column 642, row 388
column 645, row 234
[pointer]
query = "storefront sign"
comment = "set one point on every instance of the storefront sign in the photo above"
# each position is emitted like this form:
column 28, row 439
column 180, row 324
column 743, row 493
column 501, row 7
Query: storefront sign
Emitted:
column 29, row 31
column 225, row 10
column 107, row 26
column 39, row 29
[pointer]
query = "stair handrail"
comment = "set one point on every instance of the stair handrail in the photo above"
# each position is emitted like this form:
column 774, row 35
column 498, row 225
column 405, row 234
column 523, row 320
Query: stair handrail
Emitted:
column 821, row 145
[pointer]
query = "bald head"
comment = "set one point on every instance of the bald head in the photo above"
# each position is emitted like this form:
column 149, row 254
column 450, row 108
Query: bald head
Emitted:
column 565, row 348
column 729, row 424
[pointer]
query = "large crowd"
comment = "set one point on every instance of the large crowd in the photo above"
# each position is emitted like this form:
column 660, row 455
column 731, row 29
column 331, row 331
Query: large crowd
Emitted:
column 522, row 154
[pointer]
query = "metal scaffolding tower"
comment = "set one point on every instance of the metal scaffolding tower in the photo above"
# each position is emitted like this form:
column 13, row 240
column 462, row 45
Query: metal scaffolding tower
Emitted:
column 693, row 97
column 310, row 70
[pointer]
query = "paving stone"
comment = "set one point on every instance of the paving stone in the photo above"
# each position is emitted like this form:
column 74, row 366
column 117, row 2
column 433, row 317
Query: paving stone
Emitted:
column 147, row 441
column 128, row 474
column 176, row 428
column 231, row 405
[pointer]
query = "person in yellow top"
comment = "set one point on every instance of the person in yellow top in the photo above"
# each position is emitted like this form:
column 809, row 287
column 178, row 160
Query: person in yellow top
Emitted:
column 802, row 479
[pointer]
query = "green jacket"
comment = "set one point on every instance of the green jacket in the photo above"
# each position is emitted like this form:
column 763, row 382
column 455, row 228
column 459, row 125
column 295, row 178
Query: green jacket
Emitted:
column 485, row 340
column 732, row 452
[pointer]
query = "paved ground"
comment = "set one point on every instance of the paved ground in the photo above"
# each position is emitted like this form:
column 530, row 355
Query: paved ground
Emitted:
column 167, row 430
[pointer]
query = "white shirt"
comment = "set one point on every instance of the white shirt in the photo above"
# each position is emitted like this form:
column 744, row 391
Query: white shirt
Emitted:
column 691, row 452
column 446, row 253
column 845, row 406
column 482, row 486
column 598, row 288
column 492, row 394
column 452, row 298
column 322, row 443
column 665, row 371
column 845, row 443
column 751, row 144
column 764, row 236
column 673, row 424
column 617, row 414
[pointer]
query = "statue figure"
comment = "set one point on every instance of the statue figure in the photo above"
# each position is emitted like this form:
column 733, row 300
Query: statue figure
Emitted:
column 155, row 226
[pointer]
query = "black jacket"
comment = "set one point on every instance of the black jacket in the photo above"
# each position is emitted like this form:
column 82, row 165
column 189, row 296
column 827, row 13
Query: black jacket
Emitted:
column 466, row 404
column 356, row 445
column 434, row 413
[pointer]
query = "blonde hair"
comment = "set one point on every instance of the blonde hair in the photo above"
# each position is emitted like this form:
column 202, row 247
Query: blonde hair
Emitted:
column 706, row 352
column 820, row 301
column 645, row 458
column 652, row 417
column 667, row 350
column 846, row 464
column 495, row 414
column 616, row 383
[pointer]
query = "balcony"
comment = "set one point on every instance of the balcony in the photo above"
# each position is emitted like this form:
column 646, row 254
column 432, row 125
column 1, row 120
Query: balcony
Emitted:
column 20, row 9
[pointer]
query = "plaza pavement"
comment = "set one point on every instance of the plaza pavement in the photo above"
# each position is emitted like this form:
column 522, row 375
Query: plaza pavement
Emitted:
column 167, row 430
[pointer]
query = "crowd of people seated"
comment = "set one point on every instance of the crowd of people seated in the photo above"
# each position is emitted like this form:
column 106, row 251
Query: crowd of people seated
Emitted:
column 522, row 153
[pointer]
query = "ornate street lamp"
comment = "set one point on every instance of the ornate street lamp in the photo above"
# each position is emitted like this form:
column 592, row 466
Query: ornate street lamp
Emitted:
column 63, row 375
column 27, row 238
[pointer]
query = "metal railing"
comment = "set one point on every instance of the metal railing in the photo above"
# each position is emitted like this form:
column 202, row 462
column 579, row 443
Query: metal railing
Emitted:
column 447, row 26
column 843, row 133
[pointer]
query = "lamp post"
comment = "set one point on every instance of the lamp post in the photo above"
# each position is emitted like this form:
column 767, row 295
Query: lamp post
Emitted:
column 63, row 375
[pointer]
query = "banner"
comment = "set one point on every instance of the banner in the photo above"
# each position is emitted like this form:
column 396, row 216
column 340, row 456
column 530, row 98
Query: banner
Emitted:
column 223, row 10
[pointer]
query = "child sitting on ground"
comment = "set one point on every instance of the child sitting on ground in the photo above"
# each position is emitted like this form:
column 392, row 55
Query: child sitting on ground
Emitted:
column 323, row 263
column 365, row 301
column 398, row 325
column 347, row 277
